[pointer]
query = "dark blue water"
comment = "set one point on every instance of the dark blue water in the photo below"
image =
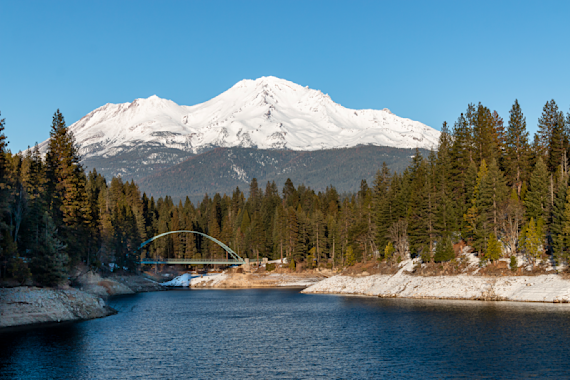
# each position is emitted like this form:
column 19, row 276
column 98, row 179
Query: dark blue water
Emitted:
column 275, row 333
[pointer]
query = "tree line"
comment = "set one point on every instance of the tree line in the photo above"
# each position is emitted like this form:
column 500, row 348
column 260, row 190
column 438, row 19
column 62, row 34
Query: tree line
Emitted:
column 486, row 184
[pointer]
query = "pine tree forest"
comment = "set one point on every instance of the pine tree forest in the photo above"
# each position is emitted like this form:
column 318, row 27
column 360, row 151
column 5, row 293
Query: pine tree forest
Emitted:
column 487, row 184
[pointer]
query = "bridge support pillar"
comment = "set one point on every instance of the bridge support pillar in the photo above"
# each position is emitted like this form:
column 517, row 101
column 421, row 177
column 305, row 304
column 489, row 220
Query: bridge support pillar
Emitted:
column 246, row 266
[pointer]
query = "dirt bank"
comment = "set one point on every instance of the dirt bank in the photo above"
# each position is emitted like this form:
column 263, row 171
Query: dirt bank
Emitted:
column 226, row 280
column 255, row 280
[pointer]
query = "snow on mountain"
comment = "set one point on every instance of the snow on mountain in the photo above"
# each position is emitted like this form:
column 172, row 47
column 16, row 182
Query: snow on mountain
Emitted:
column 266, row 113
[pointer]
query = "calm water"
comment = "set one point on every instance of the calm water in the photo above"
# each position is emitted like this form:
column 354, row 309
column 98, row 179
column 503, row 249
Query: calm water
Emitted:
column 284, row 334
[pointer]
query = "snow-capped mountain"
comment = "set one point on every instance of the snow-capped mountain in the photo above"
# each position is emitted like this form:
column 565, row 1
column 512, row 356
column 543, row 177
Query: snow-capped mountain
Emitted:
column 266, row 113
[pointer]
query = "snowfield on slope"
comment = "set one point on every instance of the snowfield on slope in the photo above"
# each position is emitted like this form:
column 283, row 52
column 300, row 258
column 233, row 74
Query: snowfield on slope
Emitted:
column 266, row 113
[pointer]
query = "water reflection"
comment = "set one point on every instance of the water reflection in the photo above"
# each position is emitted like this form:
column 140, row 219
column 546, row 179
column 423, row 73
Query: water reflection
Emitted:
column 271, row 333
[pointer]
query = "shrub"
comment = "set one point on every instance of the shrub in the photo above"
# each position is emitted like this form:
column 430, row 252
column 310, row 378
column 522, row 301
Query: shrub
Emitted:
column 494, row 250
column 20, row 270
column 292, row 264
column 513, row 264
column 425, row 254
column 350, row 256
column 310, row 261
column 444, row 251
column 389, row 251
column 269, row 267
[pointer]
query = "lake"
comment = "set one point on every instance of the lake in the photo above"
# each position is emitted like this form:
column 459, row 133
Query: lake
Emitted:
column 281, row 333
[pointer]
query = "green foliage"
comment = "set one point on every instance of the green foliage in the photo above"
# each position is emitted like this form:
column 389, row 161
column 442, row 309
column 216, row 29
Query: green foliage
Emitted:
column 516, row 159
column 389, row 251
column 513, row 264
column 444, row 251
column 270, row 267
column 19, row 270
column 292, row 265
column 350, row 256
column 494, row 249
column 311, row 259
column 53, row 214
column 425, row 255
column 532, row 239
column 536, row 199
column 49, row 265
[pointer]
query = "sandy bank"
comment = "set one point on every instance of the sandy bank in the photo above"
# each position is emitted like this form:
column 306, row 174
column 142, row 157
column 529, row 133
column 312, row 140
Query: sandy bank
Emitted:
column 30, row 305
column 544, row 288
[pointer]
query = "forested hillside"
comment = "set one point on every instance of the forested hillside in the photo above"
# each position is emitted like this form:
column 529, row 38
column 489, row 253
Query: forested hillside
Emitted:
column 487, row 184
column 223, row 169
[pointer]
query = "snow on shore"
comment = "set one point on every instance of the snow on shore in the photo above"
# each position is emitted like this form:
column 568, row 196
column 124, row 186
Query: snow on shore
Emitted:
column 545, row 288
column 187, row 279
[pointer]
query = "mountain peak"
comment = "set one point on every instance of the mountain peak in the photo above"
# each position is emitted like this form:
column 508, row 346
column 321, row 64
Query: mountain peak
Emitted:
column 267, row 112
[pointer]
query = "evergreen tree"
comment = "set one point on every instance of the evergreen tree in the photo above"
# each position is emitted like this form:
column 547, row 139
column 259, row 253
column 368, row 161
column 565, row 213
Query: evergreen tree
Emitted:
column 562, row 242
column 460, row 158
column 532, row 239
column 445, row 213
column 557, row 217
column 49, row 265
column 558, row 145
column 66, row 183
column 492, row 194
column 494, row 251
column 420, row 217
column 473, row 220
column 444, row 250
column 486, row 139
column 516, row 159
column 537, row 199
column 551, row 139
column 381, row 215
column 5, row 240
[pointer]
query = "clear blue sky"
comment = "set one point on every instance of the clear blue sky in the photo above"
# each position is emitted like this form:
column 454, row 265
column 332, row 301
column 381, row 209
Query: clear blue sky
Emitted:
column 425, row 60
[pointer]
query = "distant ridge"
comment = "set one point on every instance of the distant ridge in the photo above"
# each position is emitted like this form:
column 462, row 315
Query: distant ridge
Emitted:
column 221, row 170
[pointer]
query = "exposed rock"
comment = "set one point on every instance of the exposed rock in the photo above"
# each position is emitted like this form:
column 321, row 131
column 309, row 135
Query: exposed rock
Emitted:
column 31, row 305
column 543, row 288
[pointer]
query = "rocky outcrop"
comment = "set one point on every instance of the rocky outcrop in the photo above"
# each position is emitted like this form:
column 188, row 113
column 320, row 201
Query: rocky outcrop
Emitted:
column 94, row 284
column 31, row 305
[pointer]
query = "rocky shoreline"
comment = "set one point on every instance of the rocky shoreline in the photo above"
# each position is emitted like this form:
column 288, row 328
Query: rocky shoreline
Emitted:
column 28, row 305
column 551, row 288
column 246, row 280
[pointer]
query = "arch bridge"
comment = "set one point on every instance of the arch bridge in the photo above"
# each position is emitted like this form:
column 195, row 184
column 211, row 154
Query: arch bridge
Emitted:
column 233, row 258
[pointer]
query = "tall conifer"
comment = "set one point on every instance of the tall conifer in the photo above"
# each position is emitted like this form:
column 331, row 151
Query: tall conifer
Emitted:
column 517, row 149
column 537, row 197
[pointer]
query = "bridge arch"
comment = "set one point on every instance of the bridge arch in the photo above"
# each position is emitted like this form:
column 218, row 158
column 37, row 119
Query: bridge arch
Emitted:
column 234, row 255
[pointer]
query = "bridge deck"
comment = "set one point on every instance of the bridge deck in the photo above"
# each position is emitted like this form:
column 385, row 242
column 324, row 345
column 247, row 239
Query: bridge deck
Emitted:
column 194, row 262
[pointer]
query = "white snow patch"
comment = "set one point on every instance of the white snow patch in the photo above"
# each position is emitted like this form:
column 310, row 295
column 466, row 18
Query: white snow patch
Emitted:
column 188, row 279
column 266, row 113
